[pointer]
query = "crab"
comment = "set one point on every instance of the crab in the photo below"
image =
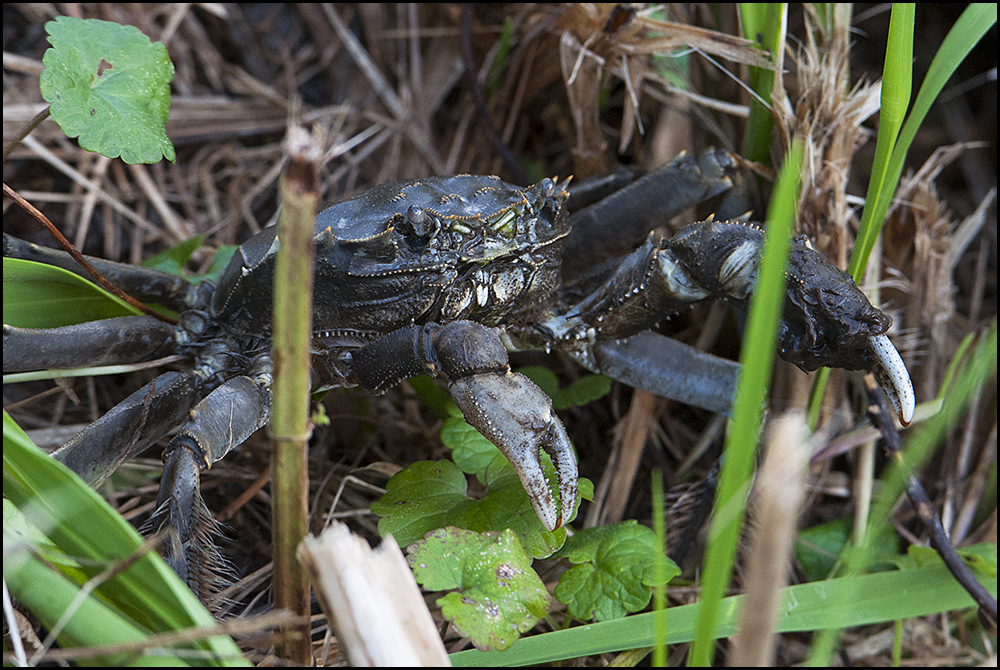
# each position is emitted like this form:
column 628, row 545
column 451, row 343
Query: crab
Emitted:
column 443, row 276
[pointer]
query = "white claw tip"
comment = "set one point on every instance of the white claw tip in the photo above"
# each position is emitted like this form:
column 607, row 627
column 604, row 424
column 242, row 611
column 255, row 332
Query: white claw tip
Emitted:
column 894, row 377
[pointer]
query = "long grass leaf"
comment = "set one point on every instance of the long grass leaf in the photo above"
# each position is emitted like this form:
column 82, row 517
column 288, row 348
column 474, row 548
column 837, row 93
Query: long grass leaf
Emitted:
column 880, row 597
column 897, row 78
column 766, row 23
column 757, row 360
column 81, row 525
column 974, row 22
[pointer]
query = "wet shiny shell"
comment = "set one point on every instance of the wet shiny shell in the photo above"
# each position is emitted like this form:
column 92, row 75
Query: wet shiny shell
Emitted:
column 437, row 249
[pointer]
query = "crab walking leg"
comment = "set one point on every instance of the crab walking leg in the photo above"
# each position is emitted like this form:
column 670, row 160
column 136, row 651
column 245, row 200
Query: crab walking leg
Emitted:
column 506, row 407
column 668, row 368
column 674, row 370
column 127, row 339
column 617, row 224
column 140, row 420
column 220, row 422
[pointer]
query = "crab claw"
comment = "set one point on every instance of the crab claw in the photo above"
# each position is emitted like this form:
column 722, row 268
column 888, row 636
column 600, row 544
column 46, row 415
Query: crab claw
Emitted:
column 516, row 416
column 893, row 377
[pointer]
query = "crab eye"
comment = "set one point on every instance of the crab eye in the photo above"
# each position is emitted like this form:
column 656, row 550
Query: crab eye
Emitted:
column 548, row 187
column 416, row 215
column 419, row 221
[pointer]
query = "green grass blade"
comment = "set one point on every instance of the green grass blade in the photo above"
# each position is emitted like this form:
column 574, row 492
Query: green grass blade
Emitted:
column 660, row 592
column 36, row 295
column 764, row 22
column 975, row 21
column 49, row 595
column 757, row 359
column 897, row 78
column 89, row 536
column 880, row 597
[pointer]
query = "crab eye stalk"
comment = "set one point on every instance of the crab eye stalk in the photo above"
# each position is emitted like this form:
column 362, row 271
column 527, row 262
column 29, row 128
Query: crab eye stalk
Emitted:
column 419, row 220
column 416, row 215
column 547, row 187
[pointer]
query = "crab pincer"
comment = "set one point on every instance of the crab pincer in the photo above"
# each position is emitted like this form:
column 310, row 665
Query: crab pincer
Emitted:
column 827, row 320
column 506, row 407
column 517, row 416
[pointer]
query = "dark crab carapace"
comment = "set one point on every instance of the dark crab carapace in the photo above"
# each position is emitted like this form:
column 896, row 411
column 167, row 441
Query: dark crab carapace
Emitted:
column 442, row 276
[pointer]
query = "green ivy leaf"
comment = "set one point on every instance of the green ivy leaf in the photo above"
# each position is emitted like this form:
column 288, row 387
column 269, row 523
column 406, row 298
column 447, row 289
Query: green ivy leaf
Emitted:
column 220, row 261
column 432, row 494
column 109, row 86
column 582, row 391
column 176, row 257
column 505, row 505
column 431, row 394
column 420, row 498
column 499, row 596
column 472, row 452
column 174, row 260
column 615, row 571
column 818, row 548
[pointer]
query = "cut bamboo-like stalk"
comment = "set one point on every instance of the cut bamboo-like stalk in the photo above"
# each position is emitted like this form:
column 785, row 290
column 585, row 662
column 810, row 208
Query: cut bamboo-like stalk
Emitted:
column 372, row 601
column 293, row 282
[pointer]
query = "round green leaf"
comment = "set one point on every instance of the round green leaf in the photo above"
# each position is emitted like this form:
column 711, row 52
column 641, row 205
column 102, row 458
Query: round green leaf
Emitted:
column 614, row 572
column 499, row 596
column 424, row 496
column 109, row 86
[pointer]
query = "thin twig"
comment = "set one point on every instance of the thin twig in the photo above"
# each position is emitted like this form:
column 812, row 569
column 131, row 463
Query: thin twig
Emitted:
column 878, row 411
column 79, row 258
column 34, row 123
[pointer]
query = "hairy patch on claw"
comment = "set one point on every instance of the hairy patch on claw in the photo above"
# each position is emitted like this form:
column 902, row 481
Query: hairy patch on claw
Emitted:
column 516, row 416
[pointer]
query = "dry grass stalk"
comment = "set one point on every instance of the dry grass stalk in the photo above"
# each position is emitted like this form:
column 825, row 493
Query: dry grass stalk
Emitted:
column 776, row 504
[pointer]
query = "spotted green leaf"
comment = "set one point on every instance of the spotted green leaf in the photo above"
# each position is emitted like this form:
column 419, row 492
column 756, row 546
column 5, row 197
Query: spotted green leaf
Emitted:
column 497, row 595
column 109, row 86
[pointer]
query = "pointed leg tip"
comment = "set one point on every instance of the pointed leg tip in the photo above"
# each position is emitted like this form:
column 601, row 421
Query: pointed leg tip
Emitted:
column 905, row 417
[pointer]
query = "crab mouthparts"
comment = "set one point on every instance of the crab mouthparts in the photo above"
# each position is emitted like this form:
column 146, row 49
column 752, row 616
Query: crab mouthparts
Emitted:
column 893, row 377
